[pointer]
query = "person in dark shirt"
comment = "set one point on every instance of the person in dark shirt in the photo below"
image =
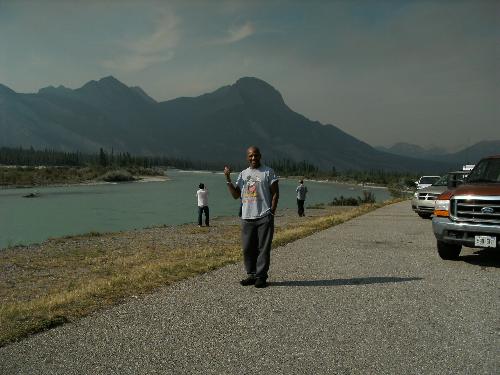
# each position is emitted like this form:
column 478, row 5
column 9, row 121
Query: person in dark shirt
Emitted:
column 301, row 197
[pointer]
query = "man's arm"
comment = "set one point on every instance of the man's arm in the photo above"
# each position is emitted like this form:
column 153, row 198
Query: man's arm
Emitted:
column 275, row 194
column 233, row 190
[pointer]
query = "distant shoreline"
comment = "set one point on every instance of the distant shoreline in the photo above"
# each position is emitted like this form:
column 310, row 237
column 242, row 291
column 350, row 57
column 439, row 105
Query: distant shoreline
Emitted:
column 41, row 177
column 162, row 178
column 324, row 181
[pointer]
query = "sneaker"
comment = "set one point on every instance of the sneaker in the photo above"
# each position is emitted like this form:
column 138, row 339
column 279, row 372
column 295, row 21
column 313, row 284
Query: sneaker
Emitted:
column 260, row 282
column 250, row 280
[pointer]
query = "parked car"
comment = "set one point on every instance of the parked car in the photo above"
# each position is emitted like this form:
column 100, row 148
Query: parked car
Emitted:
column 425, row 181
column 469, row 215
column 424, row 199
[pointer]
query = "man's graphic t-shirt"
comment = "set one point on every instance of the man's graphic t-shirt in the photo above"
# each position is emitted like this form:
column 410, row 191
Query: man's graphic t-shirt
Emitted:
column 255, row 186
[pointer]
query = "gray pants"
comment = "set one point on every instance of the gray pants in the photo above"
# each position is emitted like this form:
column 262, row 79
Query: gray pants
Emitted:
column 256, row 238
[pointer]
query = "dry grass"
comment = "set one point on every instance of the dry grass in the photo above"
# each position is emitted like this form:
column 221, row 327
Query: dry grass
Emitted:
column 64, row 279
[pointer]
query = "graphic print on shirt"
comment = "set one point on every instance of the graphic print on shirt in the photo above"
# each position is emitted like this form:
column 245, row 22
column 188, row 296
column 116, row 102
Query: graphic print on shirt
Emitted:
column 250, row 190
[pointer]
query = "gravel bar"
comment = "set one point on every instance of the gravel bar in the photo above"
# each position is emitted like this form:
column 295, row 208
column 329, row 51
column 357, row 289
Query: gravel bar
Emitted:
column 369, row 296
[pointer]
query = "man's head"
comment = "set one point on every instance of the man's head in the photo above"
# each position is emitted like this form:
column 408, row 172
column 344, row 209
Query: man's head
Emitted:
column 201, row 186
column 301, row 181
column 253, row 157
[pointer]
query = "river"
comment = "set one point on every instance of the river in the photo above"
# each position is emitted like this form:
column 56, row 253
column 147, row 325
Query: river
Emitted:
column 69, row 210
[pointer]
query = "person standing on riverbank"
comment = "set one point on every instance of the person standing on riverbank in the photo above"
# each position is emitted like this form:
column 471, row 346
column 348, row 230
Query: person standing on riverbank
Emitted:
column 257, row 187
column 202, row 195
column 301, row 197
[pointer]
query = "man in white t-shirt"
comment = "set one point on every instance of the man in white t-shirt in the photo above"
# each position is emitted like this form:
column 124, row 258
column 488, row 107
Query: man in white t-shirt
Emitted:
column 202, row 195
column 257, row 187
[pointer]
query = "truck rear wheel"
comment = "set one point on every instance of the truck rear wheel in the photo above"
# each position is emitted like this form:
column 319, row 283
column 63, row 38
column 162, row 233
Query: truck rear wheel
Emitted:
column 448, row 251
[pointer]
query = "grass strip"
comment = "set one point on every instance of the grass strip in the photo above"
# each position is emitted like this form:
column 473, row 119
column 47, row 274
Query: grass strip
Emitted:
column 66, row 279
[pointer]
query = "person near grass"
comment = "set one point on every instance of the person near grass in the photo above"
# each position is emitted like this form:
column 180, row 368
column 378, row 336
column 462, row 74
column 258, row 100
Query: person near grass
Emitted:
column 257, row 187
column 202, row 195
column 301, row 197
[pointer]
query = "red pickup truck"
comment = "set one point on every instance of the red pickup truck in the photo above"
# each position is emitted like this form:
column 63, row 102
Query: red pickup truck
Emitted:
column 469, row 215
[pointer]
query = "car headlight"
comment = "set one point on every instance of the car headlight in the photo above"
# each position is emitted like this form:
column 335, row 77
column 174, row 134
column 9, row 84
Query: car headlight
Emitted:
column 442, row 208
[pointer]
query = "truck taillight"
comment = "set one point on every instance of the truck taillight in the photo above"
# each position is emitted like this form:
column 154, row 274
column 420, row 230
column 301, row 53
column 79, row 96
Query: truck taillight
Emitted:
column 442, row 208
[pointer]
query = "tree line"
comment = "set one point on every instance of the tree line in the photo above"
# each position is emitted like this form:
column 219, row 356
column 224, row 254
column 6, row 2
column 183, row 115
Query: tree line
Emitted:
column 30, row 157
column 289, row 167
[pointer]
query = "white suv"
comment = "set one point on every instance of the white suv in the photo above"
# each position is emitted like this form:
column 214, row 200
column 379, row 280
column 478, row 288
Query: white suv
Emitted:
column 424, row 199
column 425, row 181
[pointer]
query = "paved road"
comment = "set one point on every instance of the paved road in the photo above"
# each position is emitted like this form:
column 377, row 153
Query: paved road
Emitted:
column 366, row 297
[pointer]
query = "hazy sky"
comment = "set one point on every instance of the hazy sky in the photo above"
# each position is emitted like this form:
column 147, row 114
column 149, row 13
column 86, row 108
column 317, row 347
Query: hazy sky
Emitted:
column 424, row 72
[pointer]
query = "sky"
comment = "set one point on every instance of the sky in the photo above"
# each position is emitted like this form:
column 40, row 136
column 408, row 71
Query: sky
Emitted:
column 422, row 72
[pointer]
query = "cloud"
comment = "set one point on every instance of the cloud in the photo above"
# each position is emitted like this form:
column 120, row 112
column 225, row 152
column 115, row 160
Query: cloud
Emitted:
column 234, row 35
column 164, row 37
column 133, row 63
column 157, row 47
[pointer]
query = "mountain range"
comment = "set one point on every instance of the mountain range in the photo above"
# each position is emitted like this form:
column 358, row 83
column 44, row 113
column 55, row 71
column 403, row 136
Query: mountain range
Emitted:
column 469, row 155
column 215, row 127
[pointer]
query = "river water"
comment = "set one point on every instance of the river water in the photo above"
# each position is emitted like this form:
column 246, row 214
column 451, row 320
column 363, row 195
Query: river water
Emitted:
column 69, row 210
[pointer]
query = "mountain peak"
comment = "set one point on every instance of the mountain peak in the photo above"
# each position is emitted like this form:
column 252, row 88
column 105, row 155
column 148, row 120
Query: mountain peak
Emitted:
column 108, row 92
column 249, row 81
column 258, row 91
column 54, row 90
column 110, row 80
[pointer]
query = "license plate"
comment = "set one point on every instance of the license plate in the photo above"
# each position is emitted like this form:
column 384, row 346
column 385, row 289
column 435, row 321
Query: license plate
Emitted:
column 485, row 241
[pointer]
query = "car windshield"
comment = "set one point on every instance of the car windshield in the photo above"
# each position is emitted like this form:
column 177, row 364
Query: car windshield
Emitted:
column 428, row 180
column 443, row 181
column 487, row 170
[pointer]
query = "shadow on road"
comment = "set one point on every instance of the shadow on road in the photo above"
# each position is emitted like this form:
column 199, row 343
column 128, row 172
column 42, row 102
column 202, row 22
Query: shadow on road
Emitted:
column 338, row 282
column 483, row 258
